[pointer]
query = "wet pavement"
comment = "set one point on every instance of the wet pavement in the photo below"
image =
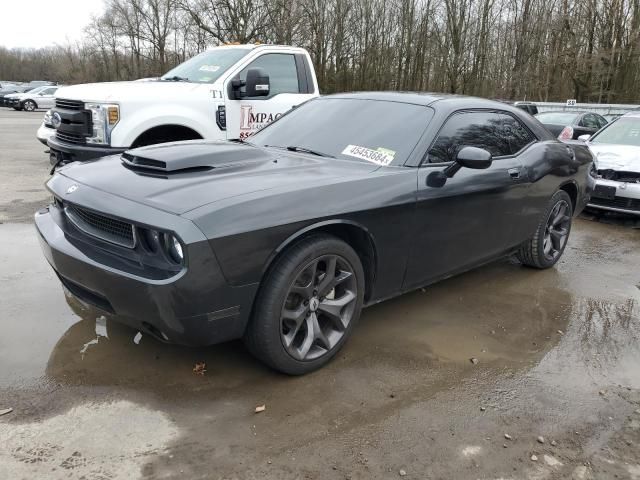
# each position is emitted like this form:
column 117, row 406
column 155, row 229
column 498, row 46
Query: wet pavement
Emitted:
column 558, row 356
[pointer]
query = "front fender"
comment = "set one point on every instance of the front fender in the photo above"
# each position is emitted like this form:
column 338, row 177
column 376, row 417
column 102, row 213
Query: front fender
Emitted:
column 135, row 121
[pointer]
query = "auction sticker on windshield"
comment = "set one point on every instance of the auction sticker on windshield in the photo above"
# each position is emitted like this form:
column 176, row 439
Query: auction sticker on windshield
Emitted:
column 380, row 156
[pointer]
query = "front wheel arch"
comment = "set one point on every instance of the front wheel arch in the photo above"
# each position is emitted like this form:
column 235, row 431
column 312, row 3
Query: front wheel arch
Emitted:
column 357, row 236
column 164, row 134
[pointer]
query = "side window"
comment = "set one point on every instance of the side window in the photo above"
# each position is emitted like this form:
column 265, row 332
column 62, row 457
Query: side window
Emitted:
column 601, row 121
column 49, row 91
column 283, row 74
column 517, row 134
column 470, row 129
column 589, row 121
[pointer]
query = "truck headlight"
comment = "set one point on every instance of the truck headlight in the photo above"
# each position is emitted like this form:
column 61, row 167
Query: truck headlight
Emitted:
column 103, row 117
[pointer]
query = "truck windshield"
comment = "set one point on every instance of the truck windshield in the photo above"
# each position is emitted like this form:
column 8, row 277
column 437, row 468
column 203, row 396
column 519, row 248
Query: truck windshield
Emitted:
column 377, row 131
column 624, row 131
column 207, row 66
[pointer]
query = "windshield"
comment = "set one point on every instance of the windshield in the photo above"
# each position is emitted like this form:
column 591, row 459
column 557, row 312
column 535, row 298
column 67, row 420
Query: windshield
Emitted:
column 207, row 66
column 560, row 118
column 624, row 131
column 38, row 89
column 376, row 131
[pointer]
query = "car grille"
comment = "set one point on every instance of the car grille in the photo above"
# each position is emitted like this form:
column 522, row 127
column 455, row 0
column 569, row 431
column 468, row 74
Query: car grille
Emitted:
column 69, row 104
column 620, row 176
column 100, row 226
column 70, row 137
column 618, row 202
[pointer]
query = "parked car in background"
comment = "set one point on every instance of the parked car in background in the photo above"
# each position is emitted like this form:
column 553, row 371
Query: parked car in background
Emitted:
column 10, row 90
column 617, row 160
column 40, row 97
column 570, row 125
column 281, row 239
column 529, row 107
column 43, row 99
column 40, row 83
column 47, row 129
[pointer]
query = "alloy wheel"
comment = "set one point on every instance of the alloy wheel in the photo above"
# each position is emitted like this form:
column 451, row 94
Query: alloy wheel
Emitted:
column 557, row 230
column 29, row 106
column 318, row 308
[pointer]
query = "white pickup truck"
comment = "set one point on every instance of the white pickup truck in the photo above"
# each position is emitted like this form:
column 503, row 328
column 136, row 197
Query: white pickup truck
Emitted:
column 226, row 92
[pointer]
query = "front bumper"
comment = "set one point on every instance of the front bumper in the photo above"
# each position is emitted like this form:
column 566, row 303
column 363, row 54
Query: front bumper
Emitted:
column 616, row 196
column 44, row 133
column 64, row 152
column 194, row 307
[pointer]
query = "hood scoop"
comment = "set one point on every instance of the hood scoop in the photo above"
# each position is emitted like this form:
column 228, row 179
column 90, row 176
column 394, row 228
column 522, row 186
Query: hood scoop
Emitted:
column 191, row 156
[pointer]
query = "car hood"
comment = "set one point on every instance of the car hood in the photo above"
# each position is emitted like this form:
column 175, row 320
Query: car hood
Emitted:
column 181, row 176
column 625, row 158
column 123, row 91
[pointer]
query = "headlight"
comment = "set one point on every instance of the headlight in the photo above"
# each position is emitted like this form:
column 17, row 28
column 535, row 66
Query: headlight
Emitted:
column 47, row 118
column 103, row 117
column 174, row 248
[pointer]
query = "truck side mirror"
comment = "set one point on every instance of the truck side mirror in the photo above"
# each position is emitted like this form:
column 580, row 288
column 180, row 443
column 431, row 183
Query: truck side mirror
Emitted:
column 257, row 83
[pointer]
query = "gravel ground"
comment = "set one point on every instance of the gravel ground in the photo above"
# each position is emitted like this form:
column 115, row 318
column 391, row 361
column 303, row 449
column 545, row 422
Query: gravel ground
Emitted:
column 558, row 357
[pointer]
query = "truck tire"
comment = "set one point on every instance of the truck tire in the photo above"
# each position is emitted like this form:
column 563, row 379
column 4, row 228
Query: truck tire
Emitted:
column 308, row 305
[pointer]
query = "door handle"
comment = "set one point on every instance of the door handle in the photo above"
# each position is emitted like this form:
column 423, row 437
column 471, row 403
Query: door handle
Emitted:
column 514, row 173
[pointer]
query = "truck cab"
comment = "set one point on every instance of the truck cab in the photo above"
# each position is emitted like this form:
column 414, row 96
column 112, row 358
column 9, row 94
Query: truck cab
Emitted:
column 224, row 93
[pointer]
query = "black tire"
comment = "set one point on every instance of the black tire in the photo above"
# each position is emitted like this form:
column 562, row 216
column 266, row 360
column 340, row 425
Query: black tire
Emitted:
column 18, row 107
column 29, row 106
column 268, row 332
column 535, row 252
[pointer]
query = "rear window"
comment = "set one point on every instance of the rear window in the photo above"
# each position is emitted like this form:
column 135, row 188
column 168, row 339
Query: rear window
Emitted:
column 558, row 118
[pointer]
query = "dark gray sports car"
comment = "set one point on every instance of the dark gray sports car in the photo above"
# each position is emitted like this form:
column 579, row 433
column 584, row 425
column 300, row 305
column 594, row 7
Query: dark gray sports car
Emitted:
column 343, row 202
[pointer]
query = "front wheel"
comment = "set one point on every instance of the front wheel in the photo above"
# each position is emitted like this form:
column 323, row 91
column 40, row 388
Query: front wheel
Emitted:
column 548, row 242
column 307, row 306
column 29, row 106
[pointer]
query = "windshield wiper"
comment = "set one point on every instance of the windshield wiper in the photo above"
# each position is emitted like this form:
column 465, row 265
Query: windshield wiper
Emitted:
column 175, row 78
column 308, row 150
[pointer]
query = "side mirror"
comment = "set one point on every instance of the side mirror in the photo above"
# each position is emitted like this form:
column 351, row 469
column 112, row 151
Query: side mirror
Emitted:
column 473, row 157
column 257, row 83
column 469, row 157
column 584, row 138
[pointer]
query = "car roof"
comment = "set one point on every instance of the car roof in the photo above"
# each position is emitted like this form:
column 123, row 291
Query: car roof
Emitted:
column 633, row 114
column 425, row 98
column 577, row 112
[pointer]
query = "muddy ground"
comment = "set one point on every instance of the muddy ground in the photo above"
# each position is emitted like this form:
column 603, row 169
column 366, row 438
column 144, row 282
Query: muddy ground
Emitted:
column 558, row 357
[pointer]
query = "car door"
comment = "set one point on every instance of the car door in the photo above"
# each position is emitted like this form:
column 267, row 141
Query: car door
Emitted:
column 474, row 216
column 290, row 85
column 46, row 98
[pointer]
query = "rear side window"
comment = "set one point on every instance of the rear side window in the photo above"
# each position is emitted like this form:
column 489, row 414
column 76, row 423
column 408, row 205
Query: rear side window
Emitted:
column 517, row 134
column 471, row 129
column 590, row 121
column 282, row 71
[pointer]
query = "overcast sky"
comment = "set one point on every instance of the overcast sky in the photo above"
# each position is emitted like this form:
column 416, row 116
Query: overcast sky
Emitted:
column 40, row 23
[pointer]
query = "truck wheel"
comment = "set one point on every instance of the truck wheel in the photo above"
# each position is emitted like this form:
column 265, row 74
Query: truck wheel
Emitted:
column 546, row 246
column 29, row 106
column 308, row 305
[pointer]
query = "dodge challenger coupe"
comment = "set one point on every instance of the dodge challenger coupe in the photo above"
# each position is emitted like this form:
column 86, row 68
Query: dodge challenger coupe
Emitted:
column 281, row 240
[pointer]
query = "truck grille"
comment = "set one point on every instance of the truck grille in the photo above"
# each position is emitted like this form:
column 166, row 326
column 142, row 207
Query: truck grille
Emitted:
column 618, row 202
column 69, row 104
column 100, row 226
column 70, row 137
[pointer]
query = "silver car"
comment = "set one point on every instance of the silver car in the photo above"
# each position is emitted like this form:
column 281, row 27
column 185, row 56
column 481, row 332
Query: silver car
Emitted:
column 616, row 149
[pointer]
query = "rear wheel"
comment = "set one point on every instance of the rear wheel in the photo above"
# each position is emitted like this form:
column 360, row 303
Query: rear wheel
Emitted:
column 546, row 246
column 29, row 106
column 308, row 306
